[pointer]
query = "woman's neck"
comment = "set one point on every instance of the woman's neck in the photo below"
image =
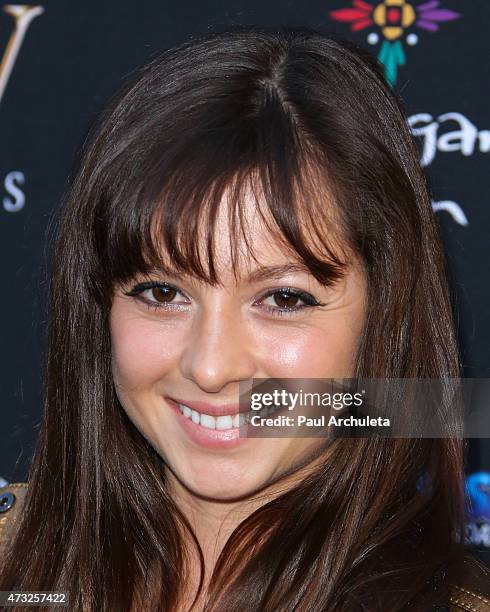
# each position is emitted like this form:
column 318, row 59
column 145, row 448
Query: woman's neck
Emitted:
column 213, row 521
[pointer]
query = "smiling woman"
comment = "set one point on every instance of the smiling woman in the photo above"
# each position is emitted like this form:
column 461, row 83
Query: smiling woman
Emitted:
column 250, row 205
column 181, row 347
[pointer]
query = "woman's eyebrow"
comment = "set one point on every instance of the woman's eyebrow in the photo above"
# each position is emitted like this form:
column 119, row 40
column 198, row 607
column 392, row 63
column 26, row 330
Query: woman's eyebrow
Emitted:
column 259, row 274
column 276, row 272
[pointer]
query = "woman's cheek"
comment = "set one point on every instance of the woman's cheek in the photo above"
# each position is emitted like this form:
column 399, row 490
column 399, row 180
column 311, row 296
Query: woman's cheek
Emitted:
column 312, row 351
column 143, row 351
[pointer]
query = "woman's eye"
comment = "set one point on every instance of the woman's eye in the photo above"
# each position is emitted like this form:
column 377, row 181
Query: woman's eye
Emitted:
column 287, row 301
column 161, row 294
column 282, row 302
column 156, row 295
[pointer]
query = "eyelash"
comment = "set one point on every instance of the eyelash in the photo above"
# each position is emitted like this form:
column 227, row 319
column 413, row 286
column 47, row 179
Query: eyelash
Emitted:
column 310, row 301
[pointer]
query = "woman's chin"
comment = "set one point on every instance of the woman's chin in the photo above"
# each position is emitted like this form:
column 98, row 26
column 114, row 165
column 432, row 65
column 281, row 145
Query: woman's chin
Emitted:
column 215, row 485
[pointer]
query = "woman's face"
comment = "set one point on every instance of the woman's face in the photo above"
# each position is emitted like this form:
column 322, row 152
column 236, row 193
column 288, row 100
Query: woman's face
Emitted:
column 195, row 343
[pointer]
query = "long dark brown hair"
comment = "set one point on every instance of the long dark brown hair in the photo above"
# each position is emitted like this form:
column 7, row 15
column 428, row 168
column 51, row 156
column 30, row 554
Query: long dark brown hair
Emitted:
column 308, row 119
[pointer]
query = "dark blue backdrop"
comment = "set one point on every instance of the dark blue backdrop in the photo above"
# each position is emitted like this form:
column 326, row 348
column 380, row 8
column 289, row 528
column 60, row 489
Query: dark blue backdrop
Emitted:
column 61, row 62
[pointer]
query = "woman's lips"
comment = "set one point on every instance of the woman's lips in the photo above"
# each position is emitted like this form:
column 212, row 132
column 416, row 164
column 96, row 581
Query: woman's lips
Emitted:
column 211, row 409
column 218, row 430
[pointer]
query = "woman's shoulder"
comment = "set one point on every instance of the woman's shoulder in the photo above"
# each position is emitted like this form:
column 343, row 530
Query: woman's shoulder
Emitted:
column 470, row 593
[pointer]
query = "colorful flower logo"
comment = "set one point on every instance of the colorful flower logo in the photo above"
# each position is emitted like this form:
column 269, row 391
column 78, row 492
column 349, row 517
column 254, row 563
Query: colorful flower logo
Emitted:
column 394, row 21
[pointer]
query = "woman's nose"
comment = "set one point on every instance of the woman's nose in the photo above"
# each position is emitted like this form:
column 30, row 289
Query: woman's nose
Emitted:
column 217, row 351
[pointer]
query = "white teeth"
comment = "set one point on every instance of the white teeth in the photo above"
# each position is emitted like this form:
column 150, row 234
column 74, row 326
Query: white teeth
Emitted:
column 226, row 421
column 223, row 422
column 208, row 421
column 239, row 419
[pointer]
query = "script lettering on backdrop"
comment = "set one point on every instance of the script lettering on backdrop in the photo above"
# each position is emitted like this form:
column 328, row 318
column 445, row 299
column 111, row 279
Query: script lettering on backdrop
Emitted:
column 23, row 15
column 466, row 140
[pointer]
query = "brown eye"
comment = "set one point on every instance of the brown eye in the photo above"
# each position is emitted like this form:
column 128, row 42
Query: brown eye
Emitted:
column 287, row 301
column 284, row 299
column 156, row 295
column 163, row 294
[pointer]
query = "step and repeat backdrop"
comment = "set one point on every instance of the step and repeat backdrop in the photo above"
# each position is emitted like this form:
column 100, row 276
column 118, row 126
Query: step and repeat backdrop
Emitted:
column 61, row 61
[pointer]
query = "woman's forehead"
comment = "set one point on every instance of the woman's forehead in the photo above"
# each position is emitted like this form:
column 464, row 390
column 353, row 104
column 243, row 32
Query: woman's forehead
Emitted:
column 262, row 254
column 243, row 219
column 262, row 257
column 241, row 237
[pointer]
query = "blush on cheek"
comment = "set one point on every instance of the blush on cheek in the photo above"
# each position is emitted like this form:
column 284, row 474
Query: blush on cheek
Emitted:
column 142, row 350
column 316, row 352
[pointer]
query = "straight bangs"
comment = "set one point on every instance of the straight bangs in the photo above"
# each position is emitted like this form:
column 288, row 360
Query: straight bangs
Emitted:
column 164, row 219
